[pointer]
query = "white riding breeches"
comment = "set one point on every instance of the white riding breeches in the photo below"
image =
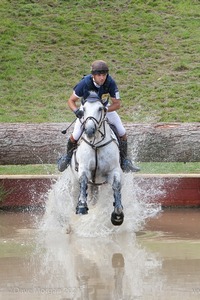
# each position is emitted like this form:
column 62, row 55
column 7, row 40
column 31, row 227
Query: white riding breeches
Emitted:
column 113, row 118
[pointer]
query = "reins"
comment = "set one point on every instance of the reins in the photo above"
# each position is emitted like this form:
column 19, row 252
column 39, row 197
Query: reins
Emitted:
column 97, row 125
column 95, row 146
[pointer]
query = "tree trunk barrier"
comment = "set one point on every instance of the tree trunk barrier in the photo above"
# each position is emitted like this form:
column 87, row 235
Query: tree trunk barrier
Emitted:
column 22, row 143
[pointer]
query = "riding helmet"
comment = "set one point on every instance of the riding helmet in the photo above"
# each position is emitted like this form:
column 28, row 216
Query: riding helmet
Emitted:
column 99, row 67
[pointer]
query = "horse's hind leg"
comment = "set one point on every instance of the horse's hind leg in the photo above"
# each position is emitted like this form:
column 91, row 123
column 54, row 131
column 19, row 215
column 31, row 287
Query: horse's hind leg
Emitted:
column 117, row 216
column 82, row 207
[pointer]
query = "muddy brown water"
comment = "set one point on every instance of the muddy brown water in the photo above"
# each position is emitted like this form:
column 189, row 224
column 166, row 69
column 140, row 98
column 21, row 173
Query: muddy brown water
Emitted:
column 161, row 261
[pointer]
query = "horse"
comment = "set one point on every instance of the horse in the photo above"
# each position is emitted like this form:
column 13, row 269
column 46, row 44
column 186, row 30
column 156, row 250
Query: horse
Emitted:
column 96, row 160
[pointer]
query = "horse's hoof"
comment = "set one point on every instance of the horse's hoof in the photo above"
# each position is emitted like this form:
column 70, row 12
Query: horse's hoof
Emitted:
column 117, row 219
column 81, row 209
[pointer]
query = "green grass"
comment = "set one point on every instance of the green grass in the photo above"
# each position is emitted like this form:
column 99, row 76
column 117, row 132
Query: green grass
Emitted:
column 146, row 168
column 29, row 169
column 152, row 48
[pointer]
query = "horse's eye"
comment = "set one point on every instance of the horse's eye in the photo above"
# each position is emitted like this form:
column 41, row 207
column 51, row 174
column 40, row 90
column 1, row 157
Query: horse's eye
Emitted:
column 101, row 108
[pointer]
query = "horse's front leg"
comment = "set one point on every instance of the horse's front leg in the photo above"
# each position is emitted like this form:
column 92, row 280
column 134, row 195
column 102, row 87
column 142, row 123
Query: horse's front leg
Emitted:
column 82, row 207
column 117, row 216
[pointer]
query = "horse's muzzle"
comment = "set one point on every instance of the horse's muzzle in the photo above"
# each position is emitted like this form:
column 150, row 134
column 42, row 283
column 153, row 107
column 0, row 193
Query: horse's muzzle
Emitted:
column 90, row 132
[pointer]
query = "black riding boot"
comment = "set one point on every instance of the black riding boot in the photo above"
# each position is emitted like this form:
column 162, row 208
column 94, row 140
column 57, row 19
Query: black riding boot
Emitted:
column 126, row 163
column 65, row 160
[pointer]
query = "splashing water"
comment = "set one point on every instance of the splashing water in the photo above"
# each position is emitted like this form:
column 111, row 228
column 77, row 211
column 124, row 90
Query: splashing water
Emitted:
column 72, row 265
column 137, row 203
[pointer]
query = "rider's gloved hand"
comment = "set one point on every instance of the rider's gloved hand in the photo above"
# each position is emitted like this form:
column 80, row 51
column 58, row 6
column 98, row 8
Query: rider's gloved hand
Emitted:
column 79, row 113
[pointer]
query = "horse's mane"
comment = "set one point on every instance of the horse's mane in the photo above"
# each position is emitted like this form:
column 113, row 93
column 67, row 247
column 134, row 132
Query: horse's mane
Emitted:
column 93, row 97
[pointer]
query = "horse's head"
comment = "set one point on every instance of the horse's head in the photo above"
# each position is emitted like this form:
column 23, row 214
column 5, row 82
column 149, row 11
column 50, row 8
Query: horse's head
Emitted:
column 94, row 113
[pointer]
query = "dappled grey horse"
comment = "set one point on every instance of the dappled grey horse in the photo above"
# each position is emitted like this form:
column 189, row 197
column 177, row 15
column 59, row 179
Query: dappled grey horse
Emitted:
column 96, row 160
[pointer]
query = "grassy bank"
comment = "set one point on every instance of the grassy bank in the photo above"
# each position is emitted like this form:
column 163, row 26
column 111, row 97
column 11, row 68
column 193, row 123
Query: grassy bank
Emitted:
column 146, row 168
column 152, row 48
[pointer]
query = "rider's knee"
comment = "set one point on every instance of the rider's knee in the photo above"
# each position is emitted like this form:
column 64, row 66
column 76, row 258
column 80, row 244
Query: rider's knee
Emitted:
column 123, row 137
column 72, row 139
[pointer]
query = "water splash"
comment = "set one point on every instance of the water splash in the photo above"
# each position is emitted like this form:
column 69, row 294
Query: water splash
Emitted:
column 137, row 203
column 78, row 262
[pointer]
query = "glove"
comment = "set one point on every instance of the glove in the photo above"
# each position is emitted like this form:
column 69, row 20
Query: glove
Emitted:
column 79, row 113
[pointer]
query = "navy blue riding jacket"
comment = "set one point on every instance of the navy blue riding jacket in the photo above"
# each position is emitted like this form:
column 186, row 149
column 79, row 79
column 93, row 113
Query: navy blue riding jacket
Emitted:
column 86, row 85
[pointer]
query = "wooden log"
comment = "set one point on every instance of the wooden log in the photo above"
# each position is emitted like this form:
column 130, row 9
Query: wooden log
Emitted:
column 43, row 143
column 165, row 142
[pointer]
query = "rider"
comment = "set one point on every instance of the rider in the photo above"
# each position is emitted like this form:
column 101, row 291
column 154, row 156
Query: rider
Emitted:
column 103, row 84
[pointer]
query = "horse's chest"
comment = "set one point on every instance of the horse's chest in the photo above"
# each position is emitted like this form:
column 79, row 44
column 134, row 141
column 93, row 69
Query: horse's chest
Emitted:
column 96, row 159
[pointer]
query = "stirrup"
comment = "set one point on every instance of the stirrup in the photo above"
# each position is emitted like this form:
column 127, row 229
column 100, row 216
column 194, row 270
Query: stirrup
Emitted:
column 127, row 166
column 63, row 163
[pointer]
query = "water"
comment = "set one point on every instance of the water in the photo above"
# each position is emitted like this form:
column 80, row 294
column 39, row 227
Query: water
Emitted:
column 154, row 255
column 137, row 202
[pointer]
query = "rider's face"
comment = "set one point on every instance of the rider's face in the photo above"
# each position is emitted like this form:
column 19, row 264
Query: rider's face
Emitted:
column 100, row 78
